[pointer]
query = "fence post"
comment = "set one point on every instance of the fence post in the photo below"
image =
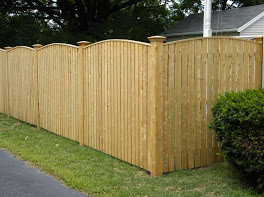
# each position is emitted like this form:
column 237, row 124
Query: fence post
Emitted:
column 81, row 44
column 261, row 41
column 8, row 100
column 36, row 47
column 156, row 111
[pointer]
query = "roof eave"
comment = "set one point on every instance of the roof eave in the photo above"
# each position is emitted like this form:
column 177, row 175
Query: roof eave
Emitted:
column 250, row 22
column 201, row 32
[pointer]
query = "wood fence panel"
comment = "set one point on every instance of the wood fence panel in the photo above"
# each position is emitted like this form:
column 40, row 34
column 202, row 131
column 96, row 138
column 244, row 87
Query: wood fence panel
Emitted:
column 22, row 78
column 116, row 99
column 3, row 83
column 58, row 89
column 199, row 69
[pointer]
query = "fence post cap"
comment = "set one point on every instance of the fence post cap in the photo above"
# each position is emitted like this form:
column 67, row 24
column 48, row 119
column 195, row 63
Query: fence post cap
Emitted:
column 157, row 38
column 7, row 48
column 37, row 46
column 259, row 39
column 83, row 43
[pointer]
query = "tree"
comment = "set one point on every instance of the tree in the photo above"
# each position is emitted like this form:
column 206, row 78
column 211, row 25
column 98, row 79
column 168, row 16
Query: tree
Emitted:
column 44, row 21
column 194, row 6
column 225, row 4
column 95, row 20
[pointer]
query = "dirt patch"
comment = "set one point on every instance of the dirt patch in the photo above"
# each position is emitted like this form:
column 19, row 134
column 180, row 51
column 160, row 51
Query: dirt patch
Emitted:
column 143, row 174
column 17, row 124
column 117, row 170
column 203, row 168
column 198, row 189
column 172, row 188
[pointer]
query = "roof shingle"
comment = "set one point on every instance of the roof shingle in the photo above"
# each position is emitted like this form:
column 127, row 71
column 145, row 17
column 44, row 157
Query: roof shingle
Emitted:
column 225, row 20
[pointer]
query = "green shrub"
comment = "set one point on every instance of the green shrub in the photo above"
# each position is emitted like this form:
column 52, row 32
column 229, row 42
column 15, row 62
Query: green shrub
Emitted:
column 238, row 123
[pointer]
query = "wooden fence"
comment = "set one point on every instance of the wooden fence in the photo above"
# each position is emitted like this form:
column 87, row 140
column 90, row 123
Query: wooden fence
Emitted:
column 146, row 104
column 196, row 71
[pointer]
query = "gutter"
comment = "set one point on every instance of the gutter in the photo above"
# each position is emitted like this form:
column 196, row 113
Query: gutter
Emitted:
column 200, row 32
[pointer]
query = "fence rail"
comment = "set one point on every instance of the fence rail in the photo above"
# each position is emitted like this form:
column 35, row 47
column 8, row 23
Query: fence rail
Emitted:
column 146, row 104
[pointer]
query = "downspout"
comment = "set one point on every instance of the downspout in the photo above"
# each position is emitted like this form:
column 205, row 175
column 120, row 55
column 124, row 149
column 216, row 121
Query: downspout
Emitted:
column 207, row 32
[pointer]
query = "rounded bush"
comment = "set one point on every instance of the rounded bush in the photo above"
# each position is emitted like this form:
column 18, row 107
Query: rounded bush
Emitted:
column 238, row 123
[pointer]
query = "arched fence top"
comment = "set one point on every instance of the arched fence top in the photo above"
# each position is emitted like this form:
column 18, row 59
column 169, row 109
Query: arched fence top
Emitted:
column 58, row 44
column 118, row 40
column 21, row 47
column 214, row 37
column 2, row 50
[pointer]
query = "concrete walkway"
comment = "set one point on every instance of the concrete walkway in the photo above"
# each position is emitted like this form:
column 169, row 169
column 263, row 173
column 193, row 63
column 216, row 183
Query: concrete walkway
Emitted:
column 19, row 180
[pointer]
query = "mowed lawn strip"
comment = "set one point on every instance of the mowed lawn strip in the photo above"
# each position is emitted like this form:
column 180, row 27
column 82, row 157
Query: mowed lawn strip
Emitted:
column 97, row 174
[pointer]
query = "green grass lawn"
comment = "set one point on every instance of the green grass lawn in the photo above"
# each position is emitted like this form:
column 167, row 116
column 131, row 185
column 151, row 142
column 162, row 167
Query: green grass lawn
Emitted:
column 97, row 174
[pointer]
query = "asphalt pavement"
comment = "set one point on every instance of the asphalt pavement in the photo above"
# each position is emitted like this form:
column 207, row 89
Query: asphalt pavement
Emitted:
column 19, row 180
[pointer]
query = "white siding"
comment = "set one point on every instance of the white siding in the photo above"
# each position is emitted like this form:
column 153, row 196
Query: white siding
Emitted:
column 256, row 29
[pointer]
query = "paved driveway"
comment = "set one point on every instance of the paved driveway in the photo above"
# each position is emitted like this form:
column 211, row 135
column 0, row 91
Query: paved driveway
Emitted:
column 19, row 180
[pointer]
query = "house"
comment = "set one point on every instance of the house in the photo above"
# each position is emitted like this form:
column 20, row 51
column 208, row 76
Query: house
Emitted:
column 246, row 22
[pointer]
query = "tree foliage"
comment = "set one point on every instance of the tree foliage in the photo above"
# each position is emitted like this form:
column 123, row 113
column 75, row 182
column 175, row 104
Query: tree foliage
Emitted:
column 74, row 20
column 26, row 22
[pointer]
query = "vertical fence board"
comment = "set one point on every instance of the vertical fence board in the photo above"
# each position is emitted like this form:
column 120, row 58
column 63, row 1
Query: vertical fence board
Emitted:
column 150, row 97
column 252, row 65
column 122, row 103
column 203, row 103
column 171, row 108
column 109, row 117
column 134, row 89
column 184, row 104
column 119, row 100
column 209, row 100
column 190, row 138
column 234, row 65
column 129, row 106
column 134, row 110
column 140, row 107
column 215, row 90
column 165, row 91
column 246, row 65
column 114, row 99
column 125, row 100
column 178, row 102
column 222, row 66
column 197, row 103
column 144, row 105
column 3, row 82
column 239, row 64
column 258, row 61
